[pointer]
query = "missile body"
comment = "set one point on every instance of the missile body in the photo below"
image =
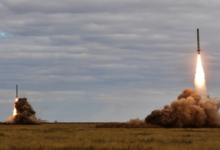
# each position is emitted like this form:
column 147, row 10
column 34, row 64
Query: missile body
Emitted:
column 198, row 41
column 16, row 91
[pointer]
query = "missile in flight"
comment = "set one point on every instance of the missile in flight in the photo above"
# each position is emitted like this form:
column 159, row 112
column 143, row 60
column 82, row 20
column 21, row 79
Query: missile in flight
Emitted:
column 198, row 41
column 16, row 91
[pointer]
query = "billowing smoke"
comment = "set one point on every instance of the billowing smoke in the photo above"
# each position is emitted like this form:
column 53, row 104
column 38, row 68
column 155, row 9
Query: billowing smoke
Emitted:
column 24, row 113
column 136, row 121
column 190, row 110
column 194, row 108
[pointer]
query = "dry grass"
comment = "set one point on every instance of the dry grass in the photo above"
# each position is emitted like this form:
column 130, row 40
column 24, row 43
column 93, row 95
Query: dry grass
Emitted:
column 88, row 137
column 126, row 125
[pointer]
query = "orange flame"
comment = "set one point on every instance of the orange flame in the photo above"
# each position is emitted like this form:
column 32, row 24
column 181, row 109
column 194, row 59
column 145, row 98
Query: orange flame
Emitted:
column 15, row 111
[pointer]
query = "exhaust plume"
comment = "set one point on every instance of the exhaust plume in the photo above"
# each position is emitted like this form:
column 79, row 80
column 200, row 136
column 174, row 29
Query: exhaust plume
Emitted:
column 188, row 111
column 194, row 108
column 23, row 113
column 200, row 84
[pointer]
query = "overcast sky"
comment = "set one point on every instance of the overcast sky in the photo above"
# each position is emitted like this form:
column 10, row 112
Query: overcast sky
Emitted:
column 104, row 60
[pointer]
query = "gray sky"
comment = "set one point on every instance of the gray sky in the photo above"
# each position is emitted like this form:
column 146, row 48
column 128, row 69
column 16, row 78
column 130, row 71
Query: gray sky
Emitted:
column 104, row 60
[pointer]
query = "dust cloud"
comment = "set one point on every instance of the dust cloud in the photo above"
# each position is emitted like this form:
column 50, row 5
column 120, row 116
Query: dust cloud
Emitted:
column 24, row 113
column 136, row 121
column 190, row 110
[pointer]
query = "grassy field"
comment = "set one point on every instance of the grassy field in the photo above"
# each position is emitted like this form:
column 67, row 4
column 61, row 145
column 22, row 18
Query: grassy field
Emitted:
column 87, row 137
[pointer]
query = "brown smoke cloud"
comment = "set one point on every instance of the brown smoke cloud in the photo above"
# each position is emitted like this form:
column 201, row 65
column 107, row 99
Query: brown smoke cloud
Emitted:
column 136, row 121
column 25, row 113
column 190, row 110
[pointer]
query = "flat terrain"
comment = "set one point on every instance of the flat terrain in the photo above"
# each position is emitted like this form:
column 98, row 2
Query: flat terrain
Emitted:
column 88, row 137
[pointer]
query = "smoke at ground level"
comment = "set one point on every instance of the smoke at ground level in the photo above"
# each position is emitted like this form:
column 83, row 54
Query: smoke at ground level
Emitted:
column 190, row 110
column 25, row 113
